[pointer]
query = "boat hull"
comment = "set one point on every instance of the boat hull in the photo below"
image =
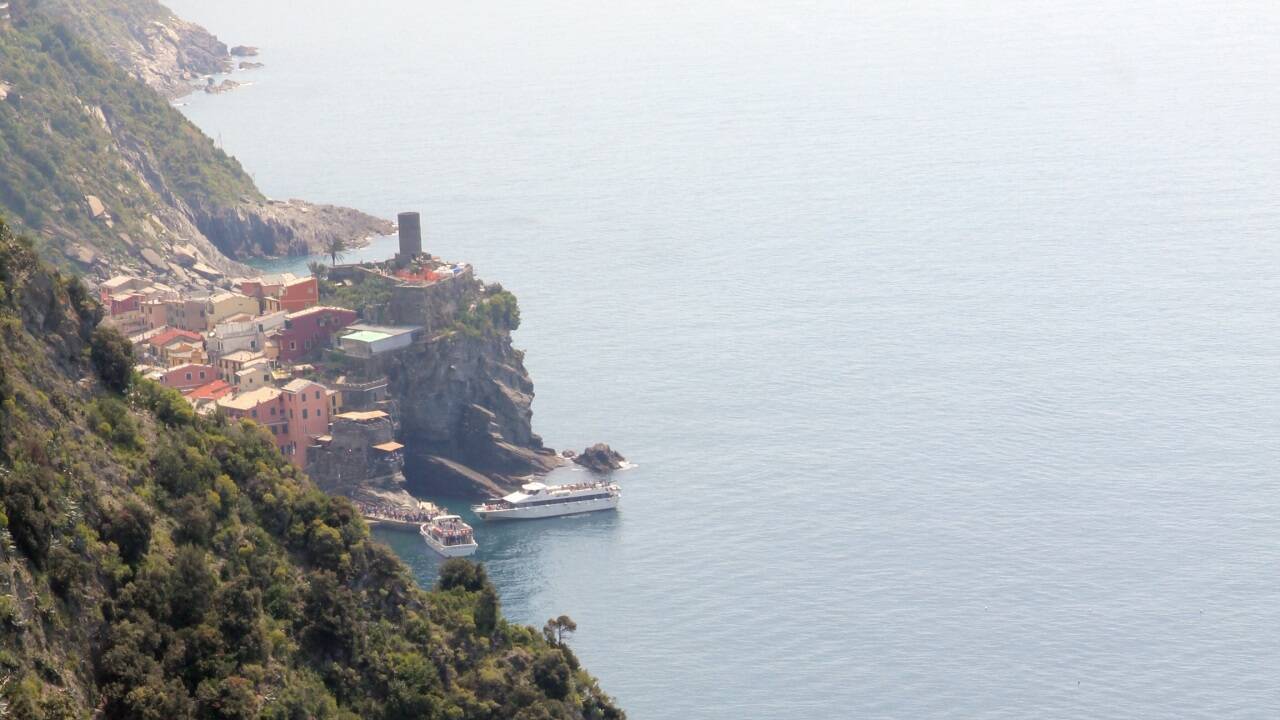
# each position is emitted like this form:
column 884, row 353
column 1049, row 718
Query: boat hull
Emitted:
column 538, row 512
column 450, row 551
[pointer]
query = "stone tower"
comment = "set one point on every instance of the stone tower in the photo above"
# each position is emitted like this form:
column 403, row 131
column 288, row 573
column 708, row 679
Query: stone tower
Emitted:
column 410, row 236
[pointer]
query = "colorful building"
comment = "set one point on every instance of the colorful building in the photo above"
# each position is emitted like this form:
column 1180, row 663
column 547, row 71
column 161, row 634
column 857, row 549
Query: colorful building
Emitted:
column 294, row 415
column 300, row 294
column 166, row 342
column 188, row 376
column 282, row 292
column 223, row 305
column 233, row 335
column 308, row 330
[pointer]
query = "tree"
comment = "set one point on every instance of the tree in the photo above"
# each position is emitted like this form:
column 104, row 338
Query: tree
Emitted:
column 557, row 629
column 552, row 674
column 460, row 572
column 112, row 357
column 487, row 611
column 318, row 269
column 335, row 247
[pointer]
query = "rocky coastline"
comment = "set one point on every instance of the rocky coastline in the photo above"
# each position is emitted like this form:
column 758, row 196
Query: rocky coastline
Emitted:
column 465, row 397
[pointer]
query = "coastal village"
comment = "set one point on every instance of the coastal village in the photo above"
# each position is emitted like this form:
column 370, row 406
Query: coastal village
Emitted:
column 264, row 348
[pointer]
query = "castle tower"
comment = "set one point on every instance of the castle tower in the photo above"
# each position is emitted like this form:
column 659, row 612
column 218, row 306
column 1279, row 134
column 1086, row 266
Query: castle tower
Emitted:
column 410, row 235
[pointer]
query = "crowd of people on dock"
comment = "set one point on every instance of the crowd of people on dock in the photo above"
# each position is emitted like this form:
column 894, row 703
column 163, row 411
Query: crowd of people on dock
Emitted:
column 379, row 511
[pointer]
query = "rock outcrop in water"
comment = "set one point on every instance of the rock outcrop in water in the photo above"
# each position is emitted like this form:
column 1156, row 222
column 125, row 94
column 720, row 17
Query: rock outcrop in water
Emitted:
column 600, row 458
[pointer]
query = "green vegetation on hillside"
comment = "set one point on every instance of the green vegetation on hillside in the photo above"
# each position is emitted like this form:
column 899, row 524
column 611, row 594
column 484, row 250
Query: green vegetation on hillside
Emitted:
column 158, row 565
column 497, row 311
column 73, row 125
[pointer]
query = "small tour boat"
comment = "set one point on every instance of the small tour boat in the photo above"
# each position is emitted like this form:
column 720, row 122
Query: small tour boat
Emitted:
column 535, row 500
column 449, row 536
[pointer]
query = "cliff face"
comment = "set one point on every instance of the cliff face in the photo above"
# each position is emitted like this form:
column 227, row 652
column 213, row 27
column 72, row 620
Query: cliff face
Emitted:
column 464, row 395
column 275, row 229
column 466, row 415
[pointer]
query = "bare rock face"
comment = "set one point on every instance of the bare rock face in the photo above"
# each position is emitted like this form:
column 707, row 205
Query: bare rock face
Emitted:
column 465, row 399
column 150, row 42
column 600, row 458
column 295, row 227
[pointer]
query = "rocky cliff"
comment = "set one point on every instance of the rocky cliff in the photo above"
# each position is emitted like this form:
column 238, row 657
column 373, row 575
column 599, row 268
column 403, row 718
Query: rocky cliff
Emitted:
column 145, row 38
column 264, row 228
column 465, row 398
column 106, row 175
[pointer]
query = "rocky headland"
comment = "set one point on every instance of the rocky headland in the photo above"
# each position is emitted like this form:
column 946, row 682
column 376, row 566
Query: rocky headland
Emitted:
column 282, row 228
column 464, row 396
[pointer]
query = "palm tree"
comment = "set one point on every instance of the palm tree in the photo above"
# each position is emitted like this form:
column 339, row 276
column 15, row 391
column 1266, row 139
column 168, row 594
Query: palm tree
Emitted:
column 335, row 247
column 317, row 269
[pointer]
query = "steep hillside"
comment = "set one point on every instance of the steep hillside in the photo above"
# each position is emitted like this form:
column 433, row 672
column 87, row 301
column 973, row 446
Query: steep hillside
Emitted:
column 155, row 565
column 108, row 177
column 146, row 39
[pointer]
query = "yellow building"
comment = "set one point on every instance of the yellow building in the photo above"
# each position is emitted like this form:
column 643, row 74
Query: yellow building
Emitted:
column 223, row 305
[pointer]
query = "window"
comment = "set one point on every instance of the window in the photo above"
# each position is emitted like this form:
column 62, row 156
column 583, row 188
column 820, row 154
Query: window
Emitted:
column 189, row 375
column 201, row 374
column 317, row 394
column 293, row 345
column 254, row 413
column 273, row 412
column 304, row 413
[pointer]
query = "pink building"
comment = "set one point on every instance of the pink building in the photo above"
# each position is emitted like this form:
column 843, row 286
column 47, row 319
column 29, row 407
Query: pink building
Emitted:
column 293, row 415
column 186, row 377
column 309, row 330
column 121, row 304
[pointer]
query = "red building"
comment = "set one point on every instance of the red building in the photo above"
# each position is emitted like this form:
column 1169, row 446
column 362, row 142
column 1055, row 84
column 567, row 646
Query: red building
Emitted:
column 308, row 330
column 121, row 304
column 300, row 295
column 283, row 292
column 212, row 391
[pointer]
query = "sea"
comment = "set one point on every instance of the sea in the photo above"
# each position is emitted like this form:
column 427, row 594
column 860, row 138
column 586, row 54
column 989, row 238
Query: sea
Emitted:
column 944, row 336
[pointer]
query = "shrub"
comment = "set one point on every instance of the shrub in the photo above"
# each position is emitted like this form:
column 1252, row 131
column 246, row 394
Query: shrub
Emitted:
column 112, row 357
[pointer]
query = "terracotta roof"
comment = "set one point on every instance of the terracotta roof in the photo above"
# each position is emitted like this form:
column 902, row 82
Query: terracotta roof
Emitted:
column 210, row 391
column 164, row 338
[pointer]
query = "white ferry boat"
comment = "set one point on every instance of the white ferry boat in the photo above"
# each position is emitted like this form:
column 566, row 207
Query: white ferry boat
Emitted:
column 449, row 536
column 535, row 500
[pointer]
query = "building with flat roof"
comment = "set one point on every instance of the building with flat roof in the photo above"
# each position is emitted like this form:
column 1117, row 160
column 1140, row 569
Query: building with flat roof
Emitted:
column 366, row 341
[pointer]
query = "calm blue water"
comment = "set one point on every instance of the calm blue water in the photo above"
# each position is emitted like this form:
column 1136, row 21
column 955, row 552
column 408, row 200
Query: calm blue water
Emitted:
column 945, row 335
